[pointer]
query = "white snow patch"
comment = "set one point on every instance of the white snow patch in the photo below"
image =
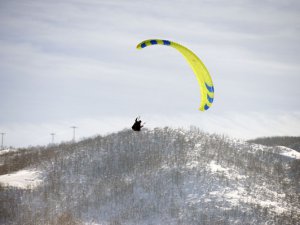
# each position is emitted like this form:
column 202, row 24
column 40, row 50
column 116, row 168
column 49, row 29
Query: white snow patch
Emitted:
column 192, row 164
column 25, row 179
column 198, row 145
column 165, row 167
column 214, row 193
column 214, row 167
column 237, row 196
column 267, row 192
column 4, row 151
column 258, row 146
column 229, row 173
column 288, row 152
column 262, row 197
column 207, row 200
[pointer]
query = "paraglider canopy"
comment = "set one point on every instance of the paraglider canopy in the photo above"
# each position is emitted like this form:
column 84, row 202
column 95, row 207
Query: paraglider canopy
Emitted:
column 202, row 74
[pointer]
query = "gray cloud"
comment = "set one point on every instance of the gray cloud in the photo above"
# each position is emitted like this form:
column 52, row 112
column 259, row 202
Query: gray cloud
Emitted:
column 68, row 60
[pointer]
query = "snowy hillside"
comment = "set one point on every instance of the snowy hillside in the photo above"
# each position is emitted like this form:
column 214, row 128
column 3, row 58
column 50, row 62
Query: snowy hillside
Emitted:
column 290, row 142
column 160, row 176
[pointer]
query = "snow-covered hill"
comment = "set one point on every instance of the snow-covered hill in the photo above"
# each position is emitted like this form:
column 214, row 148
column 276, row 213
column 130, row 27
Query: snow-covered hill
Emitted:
column 160, row 176
column 287, row 141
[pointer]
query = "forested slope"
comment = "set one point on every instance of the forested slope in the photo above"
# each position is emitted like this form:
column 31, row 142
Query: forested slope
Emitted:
column 160, row 176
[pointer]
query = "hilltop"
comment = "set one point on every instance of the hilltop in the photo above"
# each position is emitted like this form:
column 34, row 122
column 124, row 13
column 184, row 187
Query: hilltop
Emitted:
column 287, row 141
column 159, row 176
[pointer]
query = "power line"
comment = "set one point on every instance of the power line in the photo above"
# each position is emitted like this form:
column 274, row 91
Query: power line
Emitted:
column 52, row 134
column 74, row 128
column 2, row 138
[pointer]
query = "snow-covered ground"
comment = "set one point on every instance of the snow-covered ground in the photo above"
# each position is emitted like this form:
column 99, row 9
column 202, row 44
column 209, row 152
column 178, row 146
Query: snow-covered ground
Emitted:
column 229, row 173
column 238, row 195
column 25, row 179
column 164, row 176
column 4, row 151
column 288, row 152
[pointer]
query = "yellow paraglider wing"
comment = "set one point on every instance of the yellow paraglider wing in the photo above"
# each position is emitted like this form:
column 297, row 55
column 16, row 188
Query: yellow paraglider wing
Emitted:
column 202, row 74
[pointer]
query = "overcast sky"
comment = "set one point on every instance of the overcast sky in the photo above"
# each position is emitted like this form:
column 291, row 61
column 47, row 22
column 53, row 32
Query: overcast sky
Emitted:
column 74, row 62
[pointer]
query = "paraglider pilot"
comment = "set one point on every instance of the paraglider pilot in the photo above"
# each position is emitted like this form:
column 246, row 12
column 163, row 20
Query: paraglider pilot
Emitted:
column 137, row 124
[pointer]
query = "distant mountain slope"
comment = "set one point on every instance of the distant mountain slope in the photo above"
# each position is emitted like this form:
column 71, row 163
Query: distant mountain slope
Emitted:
column 13, row 160
column 160, row 176
column 287, row 141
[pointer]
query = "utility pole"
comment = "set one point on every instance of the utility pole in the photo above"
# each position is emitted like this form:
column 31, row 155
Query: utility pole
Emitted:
column 52, row 134
column 2, row 134
column 74, row 132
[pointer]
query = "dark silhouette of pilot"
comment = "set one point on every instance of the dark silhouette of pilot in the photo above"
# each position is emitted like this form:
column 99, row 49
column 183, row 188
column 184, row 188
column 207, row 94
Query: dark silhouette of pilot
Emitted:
column 137, row 124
